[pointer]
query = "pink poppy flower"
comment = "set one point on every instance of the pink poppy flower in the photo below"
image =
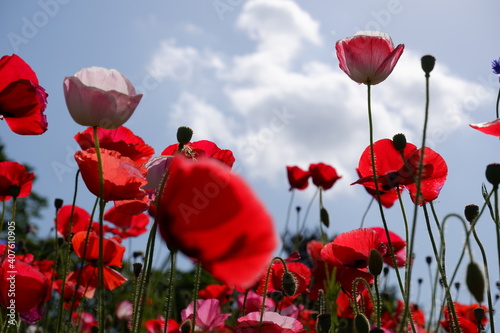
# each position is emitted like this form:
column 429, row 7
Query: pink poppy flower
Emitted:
column 101, row 97
column 208, row 316
column 368, row 57
column 272, row 322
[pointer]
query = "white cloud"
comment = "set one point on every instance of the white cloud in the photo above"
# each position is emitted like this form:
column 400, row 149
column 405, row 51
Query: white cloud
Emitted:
column 277, row 111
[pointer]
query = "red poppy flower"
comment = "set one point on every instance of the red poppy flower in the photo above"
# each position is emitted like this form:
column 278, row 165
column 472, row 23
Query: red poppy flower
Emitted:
column 490, row 127
column 297, row 177
column 121, row 140
column 22, row 100
column 203, row 148
column 211, row 215
column 123, row 178
column 157, row 325
column 220, row 292
column 349, row 253
column 323, row 175
column 32, row 288
column 393, row 172
column 345, row 302
column 80, row 220
column 12, row 176
column 127, row 225
column 70, row 290
column 391, row 320
column 398, row 245
column 368, row 57
column 466, row 317
column 112, row 256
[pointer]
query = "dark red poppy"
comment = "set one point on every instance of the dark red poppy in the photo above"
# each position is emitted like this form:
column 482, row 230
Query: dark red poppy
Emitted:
column 22, row 100
column 391, row 319
column 349, row 253
column 121, row 140
column 398, row 245
column 393, row 172
column 323, row 175
column 126, row 225
column 490, row 127
column 46, row 267
column 466, row 317
column 13, row 177
column 80, row 220
column 32, row 288
column 133, row 206
column 203, row 148
column 298, row 178
column 112, row 256
column 211, row 215
column 123, row 178
column 387, row 198
column 220, row 292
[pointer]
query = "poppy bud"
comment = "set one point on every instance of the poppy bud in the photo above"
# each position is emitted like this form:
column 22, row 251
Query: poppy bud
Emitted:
column 58, row 203
column 375, row 262
column 361, row 323
column 137, row 269
column 479, row 314
column 399, row 142
column 428, row 260
column 493, row 174
column 298, row 208
column 15, row 190
column 186, row 326
column 471, row 212
column 457, row 285
column 420, row 280
column 289, row 284
column 324, row 323
column 325, row 218
column 475, row 281
column 184, row 135
column 427, row 62
column 136, row 254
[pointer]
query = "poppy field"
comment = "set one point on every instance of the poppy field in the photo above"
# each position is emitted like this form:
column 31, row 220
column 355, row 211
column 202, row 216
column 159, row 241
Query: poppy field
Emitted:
column 246, row 277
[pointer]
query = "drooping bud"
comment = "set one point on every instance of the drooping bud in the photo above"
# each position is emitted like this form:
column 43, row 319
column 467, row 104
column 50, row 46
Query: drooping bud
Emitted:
column 137, row 269
column 58, row 203
column 399, row 142
column 324, row 323
column 475, row 281
column 471, row 213
column 361, row 323
column 427, row 62
column 375, row 262
column 277, row 296
column 184, row 135
column 493, row 174
column 325, row 218
column 289, row 284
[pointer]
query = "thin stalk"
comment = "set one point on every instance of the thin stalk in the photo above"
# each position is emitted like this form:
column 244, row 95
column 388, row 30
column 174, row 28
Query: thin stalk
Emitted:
column 197, row 279
column 287, row 221
column 100, row 261
column 170, row 292
column 266, row 284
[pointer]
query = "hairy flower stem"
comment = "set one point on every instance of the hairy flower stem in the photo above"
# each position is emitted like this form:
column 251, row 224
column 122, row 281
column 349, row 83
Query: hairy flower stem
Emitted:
column 266, row 284
column 170, row 289
column 381, row 208
column 486, row 276
column 100, row 262
column 66, row 258
column 197, row 279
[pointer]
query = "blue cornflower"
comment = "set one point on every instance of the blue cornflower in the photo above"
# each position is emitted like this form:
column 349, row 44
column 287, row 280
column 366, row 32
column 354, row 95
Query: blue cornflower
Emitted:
column 495, row 65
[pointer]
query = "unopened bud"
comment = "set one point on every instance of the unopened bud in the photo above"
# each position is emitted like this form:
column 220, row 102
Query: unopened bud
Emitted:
column 277, row 296
column 479, row 314
column 399, row 142
column 361, row 323
column 186, row 326
column 428, row 260
column 471, row 213
column 324, row 323
column 137, row 268
column 375, row 262
column 475, row 281
column 325, row 218
column 427, row 62
column 289, row 284
column 493, row 174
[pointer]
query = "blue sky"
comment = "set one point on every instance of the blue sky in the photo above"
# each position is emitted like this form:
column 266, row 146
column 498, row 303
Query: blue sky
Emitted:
column 260, row 77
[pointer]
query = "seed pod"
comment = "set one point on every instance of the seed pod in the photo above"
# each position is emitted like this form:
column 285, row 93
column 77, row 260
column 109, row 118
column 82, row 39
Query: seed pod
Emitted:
column 184, row 135
column 289, row 284
column 427, row 62
column 399, row 142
